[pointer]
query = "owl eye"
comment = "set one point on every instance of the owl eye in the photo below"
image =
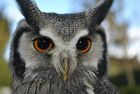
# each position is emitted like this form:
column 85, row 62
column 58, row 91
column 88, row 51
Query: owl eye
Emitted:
column 84, row 45
column 43, row 44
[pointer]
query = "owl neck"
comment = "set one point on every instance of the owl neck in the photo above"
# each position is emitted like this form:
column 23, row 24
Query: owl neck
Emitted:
column 48, row 82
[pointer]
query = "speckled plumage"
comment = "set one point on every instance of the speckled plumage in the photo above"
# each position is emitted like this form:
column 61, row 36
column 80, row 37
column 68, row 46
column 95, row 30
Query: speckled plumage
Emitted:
column 42, row 73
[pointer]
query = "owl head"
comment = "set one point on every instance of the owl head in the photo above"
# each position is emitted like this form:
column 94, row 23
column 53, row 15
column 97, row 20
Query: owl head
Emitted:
column 63, row 46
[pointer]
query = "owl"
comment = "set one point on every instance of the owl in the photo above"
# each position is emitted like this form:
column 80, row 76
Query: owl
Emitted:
column 60, row 53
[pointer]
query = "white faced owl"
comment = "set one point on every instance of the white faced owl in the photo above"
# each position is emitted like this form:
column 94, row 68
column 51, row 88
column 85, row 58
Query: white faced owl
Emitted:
column 60, row 53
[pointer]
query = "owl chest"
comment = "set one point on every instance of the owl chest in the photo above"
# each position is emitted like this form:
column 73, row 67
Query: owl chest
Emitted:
column 48, row 87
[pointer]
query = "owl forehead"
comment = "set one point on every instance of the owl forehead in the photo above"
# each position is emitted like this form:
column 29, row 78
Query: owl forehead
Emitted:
column 66, row 26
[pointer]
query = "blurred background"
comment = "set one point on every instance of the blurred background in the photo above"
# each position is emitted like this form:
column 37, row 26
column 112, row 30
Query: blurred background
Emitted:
column 122, row 27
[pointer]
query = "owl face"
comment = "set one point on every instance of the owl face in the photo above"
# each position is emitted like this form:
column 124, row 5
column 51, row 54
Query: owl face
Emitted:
column 62, row 46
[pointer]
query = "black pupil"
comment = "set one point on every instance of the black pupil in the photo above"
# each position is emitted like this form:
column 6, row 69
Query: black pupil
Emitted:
column 43, row 43
column 82, row 44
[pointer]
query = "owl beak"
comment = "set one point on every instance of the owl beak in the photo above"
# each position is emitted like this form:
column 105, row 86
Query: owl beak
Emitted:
column 68, row 66
column 65, row 64
column 65, row 72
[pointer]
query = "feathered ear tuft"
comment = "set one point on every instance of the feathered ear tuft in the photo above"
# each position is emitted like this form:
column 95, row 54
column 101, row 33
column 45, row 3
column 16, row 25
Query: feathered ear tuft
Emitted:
column 31, row 12
column 97, row 15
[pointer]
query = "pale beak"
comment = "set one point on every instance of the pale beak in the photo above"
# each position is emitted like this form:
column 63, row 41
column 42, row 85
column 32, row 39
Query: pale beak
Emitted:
column 68, row 65
column 65, row 72
column 65, row 64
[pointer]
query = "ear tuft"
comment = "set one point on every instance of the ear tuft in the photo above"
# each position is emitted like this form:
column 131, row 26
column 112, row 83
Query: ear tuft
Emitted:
column 31, row 12
column 97, row 15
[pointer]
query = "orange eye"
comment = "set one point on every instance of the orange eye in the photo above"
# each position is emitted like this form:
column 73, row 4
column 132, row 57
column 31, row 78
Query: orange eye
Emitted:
column 84, row 44
column 42, row 44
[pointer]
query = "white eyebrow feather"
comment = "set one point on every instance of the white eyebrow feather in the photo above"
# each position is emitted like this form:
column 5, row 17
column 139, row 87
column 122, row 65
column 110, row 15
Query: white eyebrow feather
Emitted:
column 58, row 41
column 77, row 36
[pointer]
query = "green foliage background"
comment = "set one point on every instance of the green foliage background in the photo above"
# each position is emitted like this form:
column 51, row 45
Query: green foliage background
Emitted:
column 5, row 76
